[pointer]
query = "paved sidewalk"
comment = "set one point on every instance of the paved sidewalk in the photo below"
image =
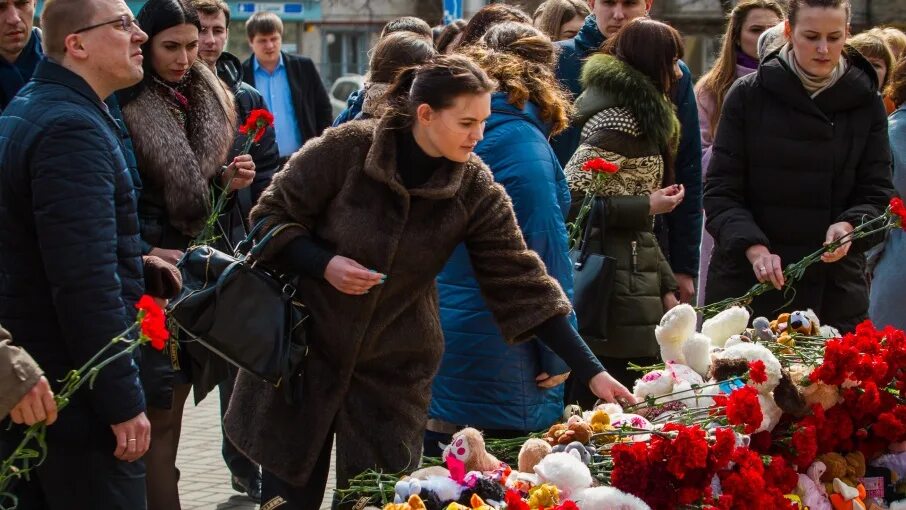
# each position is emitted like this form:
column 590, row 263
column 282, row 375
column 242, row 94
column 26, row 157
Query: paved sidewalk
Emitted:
column 205, row 481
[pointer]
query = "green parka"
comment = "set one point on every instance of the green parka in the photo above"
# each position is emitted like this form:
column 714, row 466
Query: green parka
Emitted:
column 627, row 121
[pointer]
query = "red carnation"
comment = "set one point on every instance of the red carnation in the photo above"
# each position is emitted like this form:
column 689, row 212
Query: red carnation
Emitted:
column 514, row 501
column 566, row 505
column 889, row 427
column 600, row 166
column 757, row 372
column 897, row 208
column 256, row 123
column 805, row 445
column 153, row 322
column 743, row 408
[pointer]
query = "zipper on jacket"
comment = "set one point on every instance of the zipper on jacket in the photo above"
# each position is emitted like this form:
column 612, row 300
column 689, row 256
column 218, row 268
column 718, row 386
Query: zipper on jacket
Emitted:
column 633, row 264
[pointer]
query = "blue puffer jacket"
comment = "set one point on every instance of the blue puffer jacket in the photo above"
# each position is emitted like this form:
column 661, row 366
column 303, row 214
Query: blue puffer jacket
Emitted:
column 482, row 381
column 684, row 224
column 70, row 255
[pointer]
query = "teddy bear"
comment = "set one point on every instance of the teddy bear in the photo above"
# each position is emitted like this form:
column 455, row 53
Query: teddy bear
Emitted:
column 674, row 379
column 849, row 468
column 531, row 453
column 575, row 429
column 678, row 340
column 732, row 321
column 566, row 471
column 468, row 446
column 586, row 453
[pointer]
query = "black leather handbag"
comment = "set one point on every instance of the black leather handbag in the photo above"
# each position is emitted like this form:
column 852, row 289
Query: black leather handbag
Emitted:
column 244, row 312
column 593, row 279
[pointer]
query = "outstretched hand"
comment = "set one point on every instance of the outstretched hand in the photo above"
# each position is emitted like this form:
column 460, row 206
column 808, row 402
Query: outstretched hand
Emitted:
column 608, row 389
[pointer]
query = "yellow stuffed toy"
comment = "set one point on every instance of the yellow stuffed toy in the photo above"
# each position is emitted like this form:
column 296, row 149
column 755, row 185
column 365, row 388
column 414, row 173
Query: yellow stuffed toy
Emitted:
column 414, row 503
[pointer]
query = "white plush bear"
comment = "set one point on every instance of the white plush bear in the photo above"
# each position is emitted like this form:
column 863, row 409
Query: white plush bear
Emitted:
column 697, row 353
column 566, row 471
column 677, row 326
column 727, row 323
column 751, row 352
column 608, row 498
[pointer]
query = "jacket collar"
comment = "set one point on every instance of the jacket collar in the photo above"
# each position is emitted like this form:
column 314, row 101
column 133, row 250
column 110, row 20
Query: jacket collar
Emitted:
column 589, row 37
column 529, row 113
column 49, row 71
column 229, row 69
column 380, row 164
column 256, row 66
column 857, row 86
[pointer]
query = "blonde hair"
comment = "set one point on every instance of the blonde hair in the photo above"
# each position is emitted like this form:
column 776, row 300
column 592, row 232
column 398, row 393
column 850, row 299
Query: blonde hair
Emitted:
column 895, row 39
column 522, row 59
column 873, row 46
column 717, row 81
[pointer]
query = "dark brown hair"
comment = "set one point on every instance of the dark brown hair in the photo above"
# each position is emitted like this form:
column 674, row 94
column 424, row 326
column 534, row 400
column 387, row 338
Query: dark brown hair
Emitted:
column 896, row 90
column 794, row 6
column 487, row 17
column 408, row 24
column 521, row 59
column 651, row 47
column 448, row 34
column 395, row 52
column 59, row 19
column 553, row 14
column 717, row 81
column 263, row 23
column 437, row 83
column 212, row 7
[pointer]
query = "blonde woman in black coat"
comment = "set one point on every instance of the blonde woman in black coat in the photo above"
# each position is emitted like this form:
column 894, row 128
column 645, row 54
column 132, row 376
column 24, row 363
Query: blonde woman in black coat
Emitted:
column 800, row 158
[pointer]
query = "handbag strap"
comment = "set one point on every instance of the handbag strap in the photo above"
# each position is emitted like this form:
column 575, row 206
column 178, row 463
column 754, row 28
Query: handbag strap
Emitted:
column 259, row 247
column 249, row 240
column 596, row 217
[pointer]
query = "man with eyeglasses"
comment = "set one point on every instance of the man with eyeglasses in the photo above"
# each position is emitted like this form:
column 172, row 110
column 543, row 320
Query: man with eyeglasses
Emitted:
column 71, row 265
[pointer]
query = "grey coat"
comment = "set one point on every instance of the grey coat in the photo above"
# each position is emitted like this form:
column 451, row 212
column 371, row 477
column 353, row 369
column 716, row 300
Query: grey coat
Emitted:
column 886, row 305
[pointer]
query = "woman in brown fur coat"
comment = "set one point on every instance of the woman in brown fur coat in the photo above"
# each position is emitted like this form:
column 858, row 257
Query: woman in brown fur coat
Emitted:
column 182, row 121
column 382, row 204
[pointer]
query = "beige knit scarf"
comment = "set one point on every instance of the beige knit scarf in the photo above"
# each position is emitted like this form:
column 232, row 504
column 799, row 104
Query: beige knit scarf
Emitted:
column 813, row 84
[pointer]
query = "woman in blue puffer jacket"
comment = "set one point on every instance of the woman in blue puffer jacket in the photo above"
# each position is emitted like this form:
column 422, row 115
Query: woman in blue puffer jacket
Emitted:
column 507, row 390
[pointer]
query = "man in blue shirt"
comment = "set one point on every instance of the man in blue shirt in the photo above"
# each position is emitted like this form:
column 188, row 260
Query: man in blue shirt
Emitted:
column 680, row 235
column 290, row 85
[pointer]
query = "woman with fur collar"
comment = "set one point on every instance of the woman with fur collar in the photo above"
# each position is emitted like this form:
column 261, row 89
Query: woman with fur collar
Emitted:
column 628, row 120
column 182, row 121
column 380, row 207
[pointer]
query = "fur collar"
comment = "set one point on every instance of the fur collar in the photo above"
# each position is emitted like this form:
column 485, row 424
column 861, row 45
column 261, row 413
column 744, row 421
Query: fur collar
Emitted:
column 609, row 82
column 178, row 162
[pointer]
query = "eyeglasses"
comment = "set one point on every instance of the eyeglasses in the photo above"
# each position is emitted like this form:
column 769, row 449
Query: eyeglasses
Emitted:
column 127, row 23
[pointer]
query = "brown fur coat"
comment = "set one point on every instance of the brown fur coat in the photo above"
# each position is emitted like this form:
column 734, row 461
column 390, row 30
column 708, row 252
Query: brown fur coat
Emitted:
column 177, row 162
column 372, row 358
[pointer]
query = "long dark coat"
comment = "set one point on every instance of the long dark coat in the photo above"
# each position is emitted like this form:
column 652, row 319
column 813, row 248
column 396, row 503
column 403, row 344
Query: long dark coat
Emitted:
column 368, row 374
column 784, row 168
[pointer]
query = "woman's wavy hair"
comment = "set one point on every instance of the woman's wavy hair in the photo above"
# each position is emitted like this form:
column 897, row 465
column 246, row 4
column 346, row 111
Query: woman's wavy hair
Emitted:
column 437, row 83
column 717, row 81
column 896, row 90
column 521, row 58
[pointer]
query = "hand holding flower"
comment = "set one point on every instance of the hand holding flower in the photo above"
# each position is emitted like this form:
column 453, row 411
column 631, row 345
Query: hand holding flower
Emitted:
column 239, row 174
column 834, row 232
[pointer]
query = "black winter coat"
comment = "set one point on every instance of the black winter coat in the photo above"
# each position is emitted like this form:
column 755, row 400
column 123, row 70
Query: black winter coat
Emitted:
column 310, row 100
column 265, row 152
column 70, row 255
column 785, row 167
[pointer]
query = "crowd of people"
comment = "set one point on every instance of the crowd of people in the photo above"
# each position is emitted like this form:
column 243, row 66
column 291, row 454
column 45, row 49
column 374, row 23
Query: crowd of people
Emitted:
column 431, row 222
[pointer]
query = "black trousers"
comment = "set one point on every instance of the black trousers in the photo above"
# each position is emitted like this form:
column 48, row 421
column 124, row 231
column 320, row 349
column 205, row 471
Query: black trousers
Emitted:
column 240, row 466
column 277, row 494
column 79, row 475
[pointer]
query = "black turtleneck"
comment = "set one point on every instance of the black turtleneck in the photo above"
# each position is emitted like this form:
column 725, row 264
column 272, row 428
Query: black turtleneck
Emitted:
column 413, row 165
